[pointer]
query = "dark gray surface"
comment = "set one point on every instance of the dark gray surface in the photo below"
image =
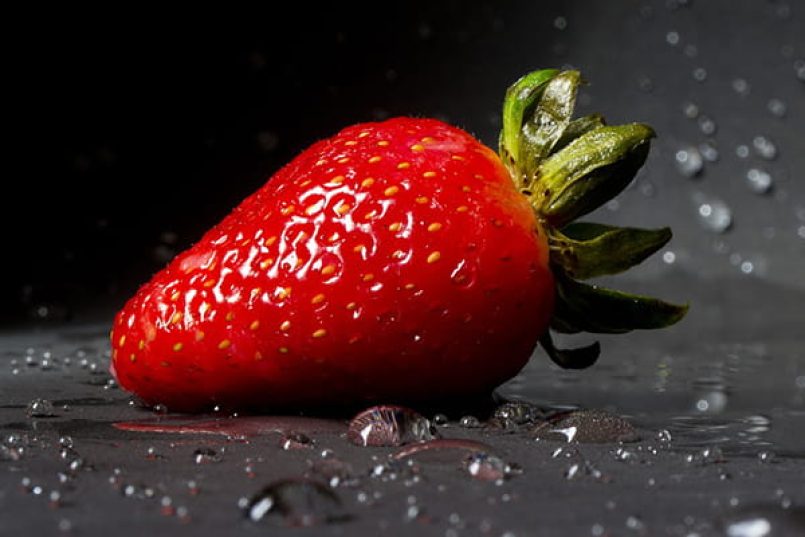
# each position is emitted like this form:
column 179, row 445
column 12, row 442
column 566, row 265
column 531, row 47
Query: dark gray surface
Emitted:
column 731, row 376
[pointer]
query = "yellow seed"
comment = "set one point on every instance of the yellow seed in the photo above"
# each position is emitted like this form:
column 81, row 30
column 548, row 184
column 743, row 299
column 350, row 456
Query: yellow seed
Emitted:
column 334, row 237
column 321, row 332
column 338, row 179
column 426, row 139
column 258, row 355
column 457, row 157
column 209, row 283
column 350, row 142
column 479, row 176
column 312, row 209
column 434, row 257
column 343, row 160
column 342, row 209
column 359, row 248
column 422, row 200
column 374, row 159
column 383, row 143
column 363, row 134
column 410, row 286
column 271, row 240
column 466, row 188
column 304, row 183
column 321, row 162
column 266, row 263
column 396, row 226
column 141, row 344
column 287, row 210
column 368, row 277
column 390, row 191
column 175, row 296
column 417, row 147
column 285, row 326
column 462, row 209
column 398, row 254
column 283, row 293
column 435, row 226
column 121, row 341
column 403, row 165
column 318, row 299
column 199, row 335
column 177, row 347
column 429, row 175
column 229, row 316
column 283, row 350
column 255, row 325
column 224, row 344
column 299, row 263
column 371, row 214
column 351, row 306
column 204, row 308
column 176, row 318
column 329, row 269
column 133, row 357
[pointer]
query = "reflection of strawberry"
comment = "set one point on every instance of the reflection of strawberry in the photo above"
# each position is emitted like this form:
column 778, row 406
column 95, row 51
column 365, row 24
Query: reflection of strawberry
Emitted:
column 396, row 261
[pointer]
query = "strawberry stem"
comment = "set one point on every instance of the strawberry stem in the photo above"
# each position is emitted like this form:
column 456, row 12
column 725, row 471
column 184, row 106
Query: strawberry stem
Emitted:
column 567, row 168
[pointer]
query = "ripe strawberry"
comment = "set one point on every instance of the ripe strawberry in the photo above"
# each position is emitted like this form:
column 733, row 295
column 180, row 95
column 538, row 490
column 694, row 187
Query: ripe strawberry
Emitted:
column 397, row 261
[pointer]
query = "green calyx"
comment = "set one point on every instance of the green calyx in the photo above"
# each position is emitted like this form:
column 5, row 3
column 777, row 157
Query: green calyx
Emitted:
column 567, row 168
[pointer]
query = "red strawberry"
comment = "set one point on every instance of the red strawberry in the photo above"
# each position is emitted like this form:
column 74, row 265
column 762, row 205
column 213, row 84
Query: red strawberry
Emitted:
column 396, row 261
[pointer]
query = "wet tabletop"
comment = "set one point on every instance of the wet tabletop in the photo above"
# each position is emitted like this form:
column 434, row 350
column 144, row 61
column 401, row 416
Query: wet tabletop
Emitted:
column 694, row 430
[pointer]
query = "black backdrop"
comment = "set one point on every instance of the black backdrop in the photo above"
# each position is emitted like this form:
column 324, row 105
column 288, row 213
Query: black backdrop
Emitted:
column 134, row 132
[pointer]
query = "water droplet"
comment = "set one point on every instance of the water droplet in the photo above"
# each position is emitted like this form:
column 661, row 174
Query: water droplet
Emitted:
column 777, row 107
column 294, row 440
column 469, row 422
column 669, row 257
column 440, row 420
column 586, row 426
column 560, row 23
column 664, row 436
column 515, row 414
column 40, row 408
column 741, row 87
column 742, row 151
column 766, row 457
column 707, row 125
column 672, row 38
column 206, row 456
column 635, row 524
column 764, row 147
column 753, row 527
column 759, row 181
column 708, row 151
column 485, row 467
column 335, row 471
column 691, row 110
column 700, row 74
column 708, row 455
column 689, row 161
column 715, row 215
column 389, row 426
column 296, row 503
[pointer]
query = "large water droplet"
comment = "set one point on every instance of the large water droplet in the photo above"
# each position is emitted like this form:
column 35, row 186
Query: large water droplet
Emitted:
column 485, row 467
column 759, row 181
column 715, row 215
column 296, row 502
column 753, row 527
column 516, row 414
column 586, row 426
column 206, row 456
column 389, row 426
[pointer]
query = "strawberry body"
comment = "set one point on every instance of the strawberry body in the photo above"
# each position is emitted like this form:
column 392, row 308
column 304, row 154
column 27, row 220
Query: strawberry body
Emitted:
column 392, row 262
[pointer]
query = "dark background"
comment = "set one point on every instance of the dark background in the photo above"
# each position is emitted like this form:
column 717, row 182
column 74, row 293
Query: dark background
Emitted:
column 133, row 133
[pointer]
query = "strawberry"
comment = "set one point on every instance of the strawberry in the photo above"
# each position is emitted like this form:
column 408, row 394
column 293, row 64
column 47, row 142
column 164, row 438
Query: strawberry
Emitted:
column 398, row 261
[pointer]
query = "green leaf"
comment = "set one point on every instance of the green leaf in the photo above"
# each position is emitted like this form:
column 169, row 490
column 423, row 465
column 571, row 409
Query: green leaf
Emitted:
column 599, row 310
column 579, row 358
column 586, row 250
column 551, row 116
column 521, row 97
column 589, row 171
column 579, row 126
